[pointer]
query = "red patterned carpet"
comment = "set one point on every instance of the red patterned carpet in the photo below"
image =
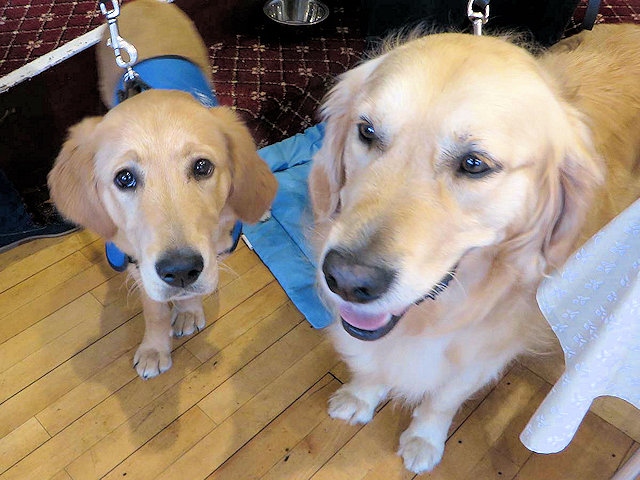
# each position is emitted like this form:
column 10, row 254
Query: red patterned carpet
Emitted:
column 278, row 88
column 30, row 29
column 274, row 76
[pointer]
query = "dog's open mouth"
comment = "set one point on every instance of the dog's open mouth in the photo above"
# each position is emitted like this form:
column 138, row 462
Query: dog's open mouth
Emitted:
column 370, row 327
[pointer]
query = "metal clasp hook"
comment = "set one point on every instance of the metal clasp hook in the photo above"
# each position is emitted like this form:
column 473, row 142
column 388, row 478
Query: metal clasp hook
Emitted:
column 116, row 41
column 478, row 13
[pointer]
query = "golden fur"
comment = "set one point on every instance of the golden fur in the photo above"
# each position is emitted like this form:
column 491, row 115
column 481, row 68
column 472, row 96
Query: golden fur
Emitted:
column 159, row 135
column 560, row 134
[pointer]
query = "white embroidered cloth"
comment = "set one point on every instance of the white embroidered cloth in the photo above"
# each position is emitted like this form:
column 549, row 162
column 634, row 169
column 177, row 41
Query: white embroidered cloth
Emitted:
column 593, row 306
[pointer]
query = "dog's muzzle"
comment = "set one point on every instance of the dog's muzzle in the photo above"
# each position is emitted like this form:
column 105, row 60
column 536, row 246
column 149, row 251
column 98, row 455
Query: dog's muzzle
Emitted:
column 370, row 335
column 357, row 282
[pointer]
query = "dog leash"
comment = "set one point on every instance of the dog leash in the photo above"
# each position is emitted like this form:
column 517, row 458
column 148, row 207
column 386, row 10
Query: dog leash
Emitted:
column 118, row 260
column 478, row 13
column 133, row 84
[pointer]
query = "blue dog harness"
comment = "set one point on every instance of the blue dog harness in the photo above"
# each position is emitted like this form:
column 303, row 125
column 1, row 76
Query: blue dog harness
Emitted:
column 171, row 73
column 165, row 73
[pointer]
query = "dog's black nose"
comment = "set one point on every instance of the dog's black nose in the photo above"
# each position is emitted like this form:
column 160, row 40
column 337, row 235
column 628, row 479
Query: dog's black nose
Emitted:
column 353, row 280
column 180, row 268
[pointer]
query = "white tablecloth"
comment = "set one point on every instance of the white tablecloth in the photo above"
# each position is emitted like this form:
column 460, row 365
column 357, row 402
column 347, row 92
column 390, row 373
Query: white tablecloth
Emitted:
column 593, row 306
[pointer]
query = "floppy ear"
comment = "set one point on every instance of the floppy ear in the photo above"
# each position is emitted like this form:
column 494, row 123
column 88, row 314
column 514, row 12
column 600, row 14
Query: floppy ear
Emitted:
column 581, row 172
column 253, row 186
column 327, row 174
column 72, row 181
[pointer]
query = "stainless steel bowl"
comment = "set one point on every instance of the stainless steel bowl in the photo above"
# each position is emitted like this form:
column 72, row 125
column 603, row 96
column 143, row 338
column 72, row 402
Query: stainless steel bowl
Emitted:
column 296, row 12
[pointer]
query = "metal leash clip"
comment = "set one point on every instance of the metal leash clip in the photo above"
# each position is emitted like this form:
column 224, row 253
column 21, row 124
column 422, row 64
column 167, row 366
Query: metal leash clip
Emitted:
column 117, row 42
column 478, row 13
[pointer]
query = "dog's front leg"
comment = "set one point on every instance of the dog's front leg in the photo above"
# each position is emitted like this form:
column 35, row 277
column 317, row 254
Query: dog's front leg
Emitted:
column 422, row 443
column 187, row 316
column 356, row 402
column 154, row 353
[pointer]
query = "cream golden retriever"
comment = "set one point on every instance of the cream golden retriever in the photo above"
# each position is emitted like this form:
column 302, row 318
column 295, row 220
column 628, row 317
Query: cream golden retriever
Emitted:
column 163, row 177
column 456, row 170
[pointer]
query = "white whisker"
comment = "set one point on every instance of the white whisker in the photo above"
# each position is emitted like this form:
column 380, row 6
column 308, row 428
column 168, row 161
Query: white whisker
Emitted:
column 223, row 267
column 133, row 285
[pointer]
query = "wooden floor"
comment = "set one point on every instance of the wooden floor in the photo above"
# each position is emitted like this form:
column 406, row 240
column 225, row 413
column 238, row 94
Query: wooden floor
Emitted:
column 245, row 399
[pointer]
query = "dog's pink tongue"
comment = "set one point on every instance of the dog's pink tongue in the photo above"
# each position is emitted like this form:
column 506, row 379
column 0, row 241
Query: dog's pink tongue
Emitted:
column 364, row 321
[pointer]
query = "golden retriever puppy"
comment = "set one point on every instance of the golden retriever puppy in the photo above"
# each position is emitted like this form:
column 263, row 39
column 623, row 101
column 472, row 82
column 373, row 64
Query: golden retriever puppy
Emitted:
column 164, row 177
column 455, row 171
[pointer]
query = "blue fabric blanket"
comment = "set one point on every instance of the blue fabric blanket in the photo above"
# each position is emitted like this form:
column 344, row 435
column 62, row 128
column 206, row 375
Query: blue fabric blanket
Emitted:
column 281, row 242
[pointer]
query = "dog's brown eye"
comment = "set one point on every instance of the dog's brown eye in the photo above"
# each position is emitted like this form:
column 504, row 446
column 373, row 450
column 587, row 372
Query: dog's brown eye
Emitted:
column 474, row 167
column 366, row 132
column 202, row 168
column 125, row 180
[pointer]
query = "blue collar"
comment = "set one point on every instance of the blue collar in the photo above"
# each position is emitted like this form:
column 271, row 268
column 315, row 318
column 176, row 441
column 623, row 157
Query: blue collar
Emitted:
column 168, row 73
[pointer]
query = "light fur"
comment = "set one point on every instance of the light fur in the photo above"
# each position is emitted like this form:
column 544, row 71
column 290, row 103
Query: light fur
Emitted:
column 160, row 134
column 562, row 134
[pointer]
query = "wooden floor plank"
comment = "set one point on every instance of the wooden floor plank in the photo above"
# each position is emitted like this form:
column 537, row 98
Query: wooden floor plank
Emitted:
column 124, row 440
column 341, row 372
column 117, row 288
column 494, row 465
column 634, row 448
column 61, row 475
column 94, row 325
column 117, row 443
column 62, row 412
column 24, row 261
column 373, row 448
column 165, row 448
column 619, row 413
column 389, row 467
column 246, row 398
column 240, row 262
column 274, row 442
column 57, row 383
column 306, row 457
column 76, row 439
column 594, row 453
column 22, row 441
column 41, row 283
column 94, row 251
column 229, row 397
column 501, row 411
column 237, row 291
column 252, row 307
column 630, row 463
column 142, row 420
column 50, row 352
column 205, row 457
column 25, row 343
column 59, row 296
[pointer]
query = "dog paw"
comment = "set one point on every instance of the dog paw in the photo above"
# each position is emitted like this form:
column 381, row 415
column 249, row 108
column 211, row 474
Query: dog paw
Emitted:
column 150, row 362
column 186, row 322
column 344, row 405
column 419, row 454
